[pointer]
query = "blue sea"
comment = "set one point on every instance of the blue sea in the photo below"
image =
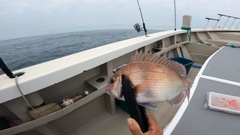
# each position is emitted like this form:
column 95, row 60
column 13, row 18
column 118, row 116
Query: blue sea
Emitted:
column 25, row 52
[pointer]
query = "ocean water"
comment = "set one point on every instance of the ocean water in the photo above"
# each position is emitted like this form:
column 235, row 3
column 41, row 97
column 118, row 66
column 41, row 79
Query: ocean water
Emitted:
column 25, row 52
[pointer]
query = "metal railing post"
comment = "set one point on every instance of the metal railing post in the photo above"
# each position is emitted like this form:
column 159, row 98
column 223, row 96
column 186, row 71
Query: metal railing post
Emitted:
column 233, row 22
column 238, row 25
column 226, row 22
column 228, row 16
column 217, row 21
column 209, row 20
column 206, row 24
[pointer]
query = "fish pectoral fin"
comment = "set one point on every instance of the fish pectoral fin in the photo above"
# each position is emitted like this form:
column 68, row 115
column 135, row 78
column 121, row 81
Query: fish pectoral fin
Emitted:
column 178, row 99
column 149, row 105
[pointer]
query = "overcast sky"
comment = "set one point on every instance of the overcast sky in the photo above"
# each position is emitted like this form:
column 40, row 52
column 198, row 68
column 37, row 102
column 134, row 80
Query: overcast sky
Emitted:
column 23, row 18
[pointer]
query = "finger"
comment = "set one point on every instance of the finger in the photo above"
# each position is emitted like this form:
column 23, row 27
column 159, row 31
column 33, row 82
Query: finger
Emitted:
column 152, row 120
column 153, row 125
column 134, row 127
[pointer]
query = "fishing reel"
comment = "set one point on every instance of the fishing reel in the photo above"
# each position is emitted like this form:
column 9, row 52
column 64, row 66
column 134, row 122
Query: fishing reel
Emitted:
column 137, row 27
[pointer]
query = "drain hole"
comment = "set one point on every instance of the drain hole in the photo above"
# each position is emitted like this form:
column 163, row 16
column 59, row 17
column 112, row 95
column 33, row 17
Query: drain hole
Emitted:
column 99, row 80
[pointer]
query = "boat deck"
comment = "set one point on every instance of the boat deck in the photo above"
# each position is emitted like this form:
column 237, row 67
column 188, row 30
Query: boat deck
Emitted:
column 104, row 123
column 219, row 74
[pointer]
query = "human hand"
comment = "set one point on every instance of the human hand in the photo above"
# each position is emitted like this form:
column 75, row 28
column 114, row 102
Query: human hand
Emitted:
column 153, row 128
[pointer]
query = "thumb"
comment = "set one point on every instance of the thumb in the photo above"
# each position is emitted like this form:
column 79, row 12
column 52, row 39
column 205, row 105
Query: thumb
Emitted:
column 134, row 127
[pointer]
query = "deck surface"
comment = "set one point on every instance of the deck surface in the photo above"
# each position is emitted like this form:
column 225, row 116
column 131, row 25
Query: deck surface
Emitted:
column 220, row 75
column 225, row 65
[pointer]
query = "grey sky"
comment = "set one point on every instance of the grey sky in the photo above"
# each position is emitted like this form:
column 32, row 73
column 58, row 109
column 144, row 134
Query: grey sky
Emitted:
column 23, row 18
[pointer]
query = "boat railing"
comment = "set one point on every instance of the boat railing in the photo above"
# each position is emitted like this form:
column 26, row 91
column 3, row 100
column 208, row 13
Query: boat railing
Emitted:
column 220, row 16
column 208, row 19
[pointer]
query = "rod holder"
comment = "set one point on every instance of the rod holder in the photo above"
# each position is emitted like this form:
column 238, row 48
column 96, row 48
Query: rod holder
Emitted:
column 7, row 71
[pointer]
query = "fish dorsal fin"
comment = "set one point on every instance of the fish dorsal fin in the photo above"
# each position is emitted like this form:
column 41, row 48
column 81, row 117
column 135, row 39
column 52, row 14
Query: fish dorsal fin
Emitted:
column 153, row 58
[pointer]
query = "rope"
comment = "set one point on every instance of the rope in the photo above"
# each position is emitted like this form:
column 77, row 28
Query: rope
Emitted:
column 189, row 32
column 19, row 89
column 232, row 45
column 189, row 35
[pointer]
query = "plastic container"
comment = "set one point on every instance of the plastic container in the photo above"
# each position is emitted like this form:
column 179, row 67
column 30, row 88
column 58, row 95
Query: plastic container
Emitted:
column 73, row 98
column 223, row 102
column 186, row 62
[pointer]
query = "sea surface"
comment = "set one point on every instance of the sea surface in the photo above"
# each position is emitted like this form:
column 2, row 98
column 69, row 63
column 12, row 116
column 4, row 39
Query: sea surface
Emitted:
column 24, row 52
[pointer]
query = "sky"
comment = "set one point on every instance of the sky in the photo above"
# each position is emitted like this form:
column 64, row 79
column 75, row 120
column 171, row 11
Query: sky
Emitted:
column 25, row 18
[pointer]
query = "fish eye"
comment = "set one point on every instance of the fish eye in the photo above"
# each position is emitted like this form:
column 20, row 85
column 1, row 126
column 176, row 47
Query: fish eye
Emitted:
column 112, row 80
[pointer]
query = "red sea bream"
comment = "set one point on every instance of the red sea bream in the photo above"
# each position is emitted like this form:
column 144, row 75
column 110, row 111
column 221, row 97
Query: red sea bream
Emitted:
column 153, row 79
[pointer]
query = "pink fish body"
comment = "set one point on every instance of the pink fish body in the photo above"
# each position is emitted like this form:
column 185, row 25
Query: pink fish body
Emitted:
column 153, row 79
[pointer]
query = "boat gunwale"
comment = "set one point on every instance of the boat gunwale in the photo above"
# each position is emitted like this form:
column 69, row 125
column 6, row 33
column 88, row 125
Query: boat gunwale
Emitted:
column 45, row 74
column 51, row 72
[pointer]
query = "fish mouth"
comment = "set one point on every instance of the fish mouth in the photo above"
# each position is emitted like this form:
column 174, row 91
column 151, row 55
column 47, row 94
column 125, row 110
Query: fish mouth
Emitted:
column 107, row 90
column 109, row 93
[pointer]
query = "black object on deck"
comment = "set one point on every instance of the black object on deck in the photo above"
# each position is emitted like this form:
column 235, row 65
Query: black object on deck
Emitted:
column 3, row 123
column 8, row 72
column 136, row 111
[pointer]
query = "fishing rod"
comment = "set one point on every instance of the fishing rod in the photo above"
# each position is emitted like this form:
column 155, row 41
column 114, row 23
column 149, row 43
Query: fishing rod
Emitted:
column 175, row 14
column 137, row 26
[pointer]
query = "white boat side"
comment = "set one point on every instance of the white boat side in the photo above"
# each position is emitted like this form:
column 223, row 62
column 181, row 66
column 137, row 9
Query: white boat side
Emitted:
column 45, row 74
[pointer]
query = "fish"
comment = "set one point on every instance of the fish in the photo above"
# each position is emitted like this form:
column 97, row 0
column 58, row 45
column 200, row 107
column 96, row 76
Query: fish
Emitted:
column 152, row 79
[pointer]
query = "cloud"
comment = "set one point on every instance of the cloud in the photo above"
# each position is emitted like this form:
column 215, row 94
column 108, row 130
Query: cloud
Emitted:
column 32, row 17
